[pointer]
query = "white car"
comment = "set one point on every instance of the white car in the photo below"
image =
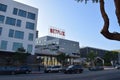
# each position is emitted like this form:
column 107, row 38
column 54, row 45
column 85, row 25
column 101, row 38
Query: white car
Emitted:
column 53, row 69
column 117, row 66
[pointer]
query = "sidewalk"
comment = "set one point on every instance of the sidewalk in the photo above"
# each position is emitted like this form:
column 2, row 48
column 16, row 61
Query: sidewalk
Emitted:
column 37, row 72
column 108, row 67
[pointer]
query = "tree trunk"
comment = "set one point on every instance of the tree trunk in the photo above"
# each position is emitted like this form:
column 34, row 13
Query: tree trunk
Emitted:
column 105, row 31
column 117, row 5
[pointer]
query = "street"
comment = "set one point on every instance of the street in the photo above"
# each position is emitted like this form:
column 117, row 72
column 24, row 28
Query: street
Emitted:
column 112, row 74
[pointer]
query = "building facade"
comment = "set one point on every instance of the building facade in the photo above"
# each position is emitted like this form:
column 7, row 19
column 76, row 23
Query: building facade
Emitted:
column 49, row 47
column 17, row 26
column 86, row 50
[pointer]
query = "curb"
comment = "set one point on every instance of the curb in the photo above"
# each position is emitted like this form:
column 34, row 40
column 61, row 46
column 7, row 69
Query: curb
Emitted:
column 36, row 72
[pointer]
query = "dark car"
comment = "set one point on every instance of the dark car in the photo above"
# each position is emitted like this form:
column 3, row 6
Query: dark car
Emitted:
column 23, row 70
column 7, row 70
column 74, row 69
column 96, row 68
column 53, row 69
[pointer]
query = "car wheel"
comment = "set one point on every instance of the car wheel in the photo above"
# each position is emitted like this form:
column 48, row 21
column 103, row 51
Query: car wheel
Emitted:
column 71, row 72
column 77, row 71
column 118, row 68
column 27, row 72
column 13, row 73
column 46, row 71
column 80, row 71
column 59, row 70
column 65, row 72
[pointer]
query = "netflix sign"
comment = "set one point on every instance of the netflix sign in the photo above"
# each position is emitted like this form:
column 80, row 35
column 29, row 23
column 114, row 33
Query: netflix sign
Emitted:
column 57, row 31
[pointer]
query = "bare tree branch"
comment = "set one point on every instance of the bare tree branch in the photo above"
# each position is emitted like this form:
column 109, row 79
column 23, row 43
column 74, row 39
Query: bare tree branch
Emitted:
column 105, row 31
column 117, row 6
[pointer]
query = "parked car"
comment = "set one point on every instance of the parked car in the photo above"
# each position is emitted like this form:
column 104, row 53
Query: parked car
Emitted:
column 74, row 69
column 7, row 70
column 23, row 70
column 53, row 69
column 117, row 66
column 14, row 70
column 96, row 68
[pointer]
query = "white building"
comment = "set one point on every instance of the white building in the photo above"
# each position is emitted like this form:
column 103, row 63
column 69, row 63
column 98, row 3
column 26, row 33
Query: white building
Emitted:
column 17, row 26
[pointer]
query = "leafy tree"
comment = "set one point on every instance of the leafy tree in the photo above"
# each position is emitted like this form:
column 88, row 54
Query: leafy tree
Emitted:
column 91, row 57
column 20, row 56
column 114, row 55
column 8, row 60
column 110, row 56
column 107, row 58
column 105, row 31
column 61, row 57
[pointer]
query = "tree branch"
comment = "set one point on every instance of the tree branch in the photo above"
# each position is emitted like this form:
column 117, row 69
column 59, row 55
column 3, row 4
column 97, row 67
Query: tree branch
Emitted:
column 117, row 6
column 105, row 31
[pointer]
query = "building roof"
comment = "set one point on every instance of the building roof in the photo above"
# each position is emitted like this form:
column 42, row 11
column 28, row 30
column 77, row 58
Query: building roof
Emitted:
column 57, row 38
column 94, row 48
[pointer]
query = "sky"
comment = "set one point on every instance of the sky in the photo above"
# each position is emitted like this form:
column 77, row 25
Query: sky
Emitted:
column 81, row 22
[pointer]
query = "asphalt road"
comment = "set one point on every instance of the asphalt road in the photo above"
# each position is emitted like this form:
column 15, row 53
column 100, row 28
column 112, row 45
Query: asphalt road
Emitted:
column 86, row 75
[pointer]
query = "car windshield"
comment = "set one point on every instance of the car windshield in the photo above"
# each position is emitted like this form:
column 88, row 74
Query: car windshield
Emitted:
column 49, row 66
column 70, row 66
column 56, row 67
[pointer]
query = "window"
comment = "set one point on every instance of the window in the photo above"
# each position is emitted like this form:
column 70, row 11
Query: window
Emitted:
column 10, row 21
column 18, row 23
column 3, row 45
column 74, row 44
column 16, row 34
column 15, row 11
column 16, row 46
column 3, row 7
column 31, row 16
column 29, row 48
column 2, row 18
column 0, row 30
column 22, row 13
column 19, row 34
column 30, row 25
column 30, row 37
column 11, row 33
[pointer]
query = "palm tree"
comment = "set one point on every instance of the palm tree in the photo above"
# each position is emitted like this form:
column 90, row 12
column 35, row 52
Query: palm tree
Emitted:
column 105, row 32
